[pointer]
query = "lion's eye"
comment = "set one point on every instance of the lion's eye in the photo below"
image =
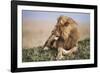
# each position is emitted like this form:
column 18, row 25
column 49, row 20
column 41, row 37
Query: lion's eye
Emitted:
column 66, row 24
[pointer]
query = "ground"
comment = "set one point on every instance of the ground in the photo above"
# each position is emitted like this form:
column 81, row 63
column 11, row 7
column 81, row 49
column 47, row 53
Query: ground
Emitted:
column 38, row 54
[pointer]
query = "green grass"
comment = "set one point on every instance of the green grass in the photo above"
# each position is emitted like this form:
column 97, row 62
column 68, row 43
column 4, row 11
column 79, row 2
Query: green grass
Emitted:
column 38, row 54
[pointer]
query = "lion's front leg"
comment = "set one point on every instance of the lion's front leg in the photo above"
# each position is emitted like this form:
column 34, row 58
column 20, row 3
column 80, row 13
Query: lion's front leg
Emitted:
column 60, row 54
column 72, row 50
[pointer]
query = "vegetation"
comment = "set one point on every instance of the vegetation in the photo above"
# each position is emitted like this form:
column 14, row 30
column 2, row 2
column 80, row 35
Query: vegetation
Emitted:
column 38, row 54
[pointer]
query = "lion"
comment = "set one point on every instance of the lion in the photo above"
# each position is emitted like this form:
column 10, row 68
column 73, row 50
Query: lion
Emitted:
column 64, row 37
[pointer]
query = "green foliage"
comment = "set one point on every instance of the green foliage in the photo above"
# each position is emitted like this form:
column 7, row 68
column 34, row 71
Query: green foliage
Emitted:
column 38, row 54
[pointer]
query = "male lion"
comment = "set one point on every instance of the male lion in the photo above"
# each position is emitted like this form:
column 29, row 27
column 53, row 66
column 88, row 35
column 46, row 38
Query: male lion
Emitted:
column 64, row 37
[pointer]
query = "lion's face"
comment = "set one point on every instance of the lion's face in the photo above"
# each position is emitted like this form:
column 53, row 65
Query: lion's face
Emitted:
column 56, row 33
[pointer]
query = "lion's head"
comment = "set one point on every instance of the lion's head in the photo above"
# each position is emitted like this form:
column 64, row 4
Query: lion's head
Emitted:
column 65, row 20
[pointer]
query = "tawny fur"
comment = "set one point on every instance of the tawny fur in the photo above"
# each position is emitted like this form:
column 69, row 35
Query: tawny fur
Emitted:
column 67, row 32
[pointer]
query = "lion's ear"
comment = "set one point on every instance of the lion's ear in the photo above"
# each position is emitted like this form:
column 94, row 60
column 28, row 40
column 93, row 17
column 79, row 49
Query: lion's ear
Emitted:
column 71, row 21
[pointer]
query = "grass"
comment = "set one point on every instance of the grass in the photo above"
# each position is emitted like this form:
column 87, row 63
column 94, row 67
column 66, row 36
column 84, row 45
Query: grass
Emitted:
column 38, row 54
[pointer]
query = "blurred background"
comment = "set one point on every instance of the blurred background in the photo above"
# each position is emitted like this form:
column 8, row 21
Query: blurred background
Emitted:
column 37, row 25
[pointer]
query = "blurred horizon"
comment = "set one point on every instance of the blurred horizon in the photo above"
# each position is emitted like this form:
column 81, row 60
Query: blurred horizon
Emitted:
column 37, row 25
